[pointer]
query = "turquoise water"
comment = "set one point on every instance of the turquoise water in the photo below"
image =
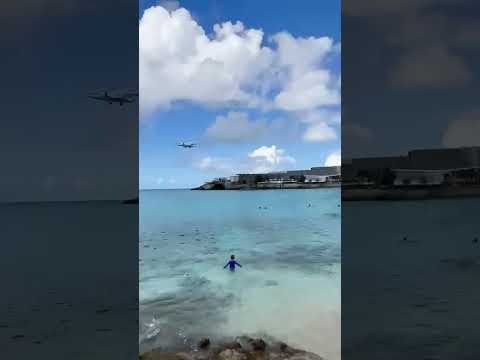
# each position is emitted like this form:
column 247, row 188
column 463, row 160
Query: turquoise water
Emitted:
column 288, row 242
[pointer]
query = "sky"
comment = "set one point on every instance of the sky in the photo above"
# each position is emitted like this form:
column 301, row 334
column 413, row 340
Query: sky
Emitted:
column 410, row 76
column 255, row 84
column 55, row 143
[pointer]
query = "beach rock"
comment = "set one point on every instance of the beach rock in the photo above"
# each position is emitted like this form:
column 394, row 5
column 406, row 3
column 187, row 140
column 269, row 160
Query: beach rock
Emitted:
column 258, row 344
column 283, row 347
column 242, row 348
column 230, row 354
column 234, row 345
column 304, row 356
column 204, row 343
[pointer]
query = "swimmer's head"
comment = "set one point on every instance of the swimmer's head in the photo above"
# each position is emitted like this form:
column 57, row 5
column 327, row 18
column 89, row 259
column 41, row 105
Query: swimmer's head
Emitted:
column 232, row 257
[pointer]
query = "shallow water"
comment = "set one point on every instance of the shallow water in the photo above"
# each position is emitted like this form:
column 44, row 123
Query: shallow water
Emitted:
column 288, row 287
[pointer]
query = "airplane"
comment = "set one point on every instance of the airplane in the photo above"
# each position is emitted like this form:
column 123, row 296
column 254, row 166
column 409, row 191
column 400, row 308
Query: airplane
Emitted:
column 187, row 145
column 126, row 98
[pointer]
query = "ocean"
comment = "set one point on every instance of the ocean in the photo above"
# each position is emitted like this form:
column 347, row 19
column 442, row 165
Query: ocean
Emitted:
column 410, row 279
column 69, row 272
column 288, row 243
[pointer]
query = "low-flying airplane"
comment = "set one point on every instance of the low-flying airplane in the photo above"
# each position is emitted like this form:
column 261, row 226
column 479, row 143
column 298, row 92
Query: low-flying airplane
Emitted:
column 125, row 98
column 187, row 145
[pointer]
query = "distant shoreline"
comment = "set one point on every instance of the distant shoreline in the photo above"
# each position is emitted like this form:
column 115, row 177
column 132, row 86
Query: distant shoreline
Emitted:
column 270, row 187
column 410, row 193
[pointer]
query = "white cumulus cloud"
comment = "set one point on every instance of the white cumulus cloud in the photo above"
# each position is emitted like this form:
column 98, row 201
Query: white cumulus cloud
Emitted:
column 270, row 158
column 261, row 160
column 320, row 125
column 180, row 62
column 309, row 91
column 236, row 127
column 334, row 159
column 320, row 132
column 464, row 131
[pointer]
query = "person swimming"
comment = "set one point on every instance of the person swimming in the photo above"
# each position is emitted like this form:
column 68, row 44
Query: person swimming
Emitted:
column 231, row 263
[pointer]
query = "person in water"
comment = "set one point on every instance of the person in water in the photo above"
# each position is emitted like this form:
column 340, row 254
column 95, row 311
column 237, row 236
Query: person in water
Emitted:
column 232, row 263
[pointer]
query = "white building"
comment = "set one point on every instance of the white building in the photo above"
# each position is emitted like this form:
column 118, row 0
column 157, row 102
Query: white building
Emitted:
column 419, row 177
column 316, row 178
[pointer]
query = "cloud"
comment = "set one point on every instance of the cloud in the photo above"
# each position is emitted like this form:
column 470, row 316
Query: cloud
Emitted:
column 334, row 159
column 261, row 160
column 430, row 68
column 319, row 128
column 425, row 39
column 321, row 115
column 464, row 131
column 215, row 164
column 352, row 131
column 309, row 91
column 320, row 132
column 236, row 127
column 180, row 62
column 307, row 85
column 270, row 158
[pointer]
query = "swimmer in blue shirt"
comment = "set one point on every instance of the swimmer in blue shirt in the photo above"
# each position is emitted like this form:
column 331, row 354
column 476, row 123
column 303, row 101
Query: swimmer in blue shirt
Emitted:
column 232, row 263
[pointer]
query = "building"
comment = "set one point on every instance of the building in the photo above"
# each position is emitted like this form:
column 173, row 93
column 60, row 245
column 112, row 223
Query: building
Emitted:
column 428, row 166
column 234, row 178
column 331, row 173
column 322, row 178
column 419, row 177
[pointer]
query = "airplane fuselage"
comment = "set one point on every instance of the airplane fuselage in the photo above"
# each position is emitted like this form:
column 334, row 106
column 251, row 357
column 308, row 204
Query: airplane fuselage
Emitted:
column 112, row 99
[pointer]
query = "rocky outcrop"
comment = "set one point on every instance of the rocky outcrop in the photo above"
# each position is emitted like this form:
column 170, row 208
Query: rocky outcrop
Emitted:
column 242, row 348
column 204, row 343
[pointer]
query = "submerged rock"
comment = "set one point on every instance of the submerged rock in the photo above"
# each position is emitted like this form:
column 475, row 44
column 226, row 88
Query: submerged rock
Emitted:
column 258, row 344
column 283, row 347
column 204, row 343
column 234, row 345
column 230, row 354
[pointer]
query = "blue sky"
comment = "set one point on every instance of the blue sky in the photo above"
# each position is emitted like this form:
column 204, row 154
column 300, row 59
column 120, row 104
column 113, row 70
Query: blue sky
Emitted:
column 259, row 95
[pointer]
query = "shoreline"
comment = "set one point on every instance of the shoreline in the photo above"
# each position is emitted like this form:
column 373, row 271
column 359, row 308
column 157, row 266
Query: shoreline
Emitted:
column 410, row 193
column 269, row 187
column 240, row 348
